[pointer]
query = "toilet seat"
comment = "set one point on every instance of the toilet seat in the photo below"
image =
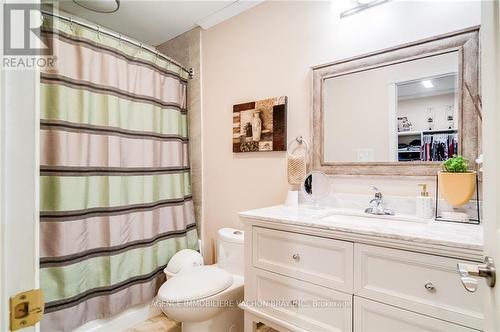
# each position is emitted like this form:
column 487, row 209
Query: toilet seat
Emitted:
column 195, row 284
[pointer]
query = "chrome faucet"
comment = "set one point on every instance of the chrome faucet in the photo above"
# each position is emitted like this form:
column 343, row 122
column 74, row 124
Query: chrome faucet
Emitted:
column 377, row 204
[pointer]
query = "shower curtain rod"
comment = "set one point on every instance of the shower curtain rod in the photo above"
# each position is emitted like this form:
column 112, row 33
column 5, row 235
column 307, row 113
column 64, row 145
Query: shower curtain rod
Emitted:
column 120, row 37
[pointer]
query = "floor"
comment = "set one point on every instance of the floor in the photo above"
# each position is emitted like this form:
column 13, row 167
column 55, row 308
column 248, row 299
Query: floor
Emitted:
column 158, row 323
column 263, row 328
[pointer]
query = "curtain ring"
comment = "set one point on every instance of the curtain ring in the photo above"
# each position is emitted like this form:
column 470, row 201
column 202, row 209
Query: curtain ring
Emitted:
column 71, row 23
column 157, row 51
column 140, row 48
column 120, row 40
column 99, row 32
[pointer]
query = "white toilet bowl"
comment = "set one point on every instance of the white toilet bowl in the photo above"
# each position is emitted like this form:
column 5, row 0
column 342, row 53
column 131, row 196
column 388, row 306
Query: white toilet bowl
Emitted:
column 206, row 298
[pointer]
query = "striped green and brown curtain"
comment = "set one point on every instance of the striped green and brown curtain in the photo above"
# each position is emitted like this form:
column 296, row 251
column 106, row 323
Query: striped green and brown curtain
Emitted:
column 115, row 196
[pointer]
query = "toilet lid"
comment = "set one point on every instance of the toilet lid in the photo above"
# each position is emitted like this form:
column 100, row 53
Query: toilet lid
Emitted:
column 194, row 284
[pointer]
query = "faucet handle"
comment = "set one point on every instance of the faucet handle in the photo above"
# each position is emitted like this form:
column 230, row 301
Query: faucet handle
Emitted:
column 378, row 193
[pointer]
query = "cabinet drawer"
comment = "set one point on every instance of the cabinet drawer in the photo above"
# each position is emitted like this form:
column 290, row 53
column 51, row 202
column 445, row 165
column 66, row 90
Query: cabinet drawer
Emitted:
column 307, row 306
column 371, row 316
column 317, row 260
column 423, row 283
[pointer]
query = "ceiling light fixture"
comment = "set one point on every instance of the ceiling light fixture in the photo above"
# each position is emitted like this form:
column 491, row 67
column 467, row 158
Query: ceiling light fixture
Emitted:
column 358, row 5
column 99, row 6
column 427, row 84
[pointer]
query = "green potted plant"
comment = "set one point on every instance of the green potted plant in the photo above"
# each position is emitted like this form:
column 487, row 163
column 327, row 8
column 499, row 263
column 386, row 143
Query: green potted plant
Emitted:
column 457, row 183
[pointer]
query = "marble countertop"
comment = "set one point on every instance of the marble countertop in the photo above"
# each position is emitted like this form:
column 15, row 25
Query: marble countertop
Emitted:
column 455, row 235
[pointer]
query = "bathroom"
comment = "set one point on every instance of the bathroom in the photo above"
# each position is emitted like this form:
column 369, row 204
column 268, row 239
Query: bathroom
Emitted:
column 333, row 206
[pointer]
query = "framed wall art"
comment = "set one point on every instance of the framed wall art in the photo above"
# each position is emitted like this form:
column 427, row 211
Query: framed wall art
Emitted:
column 260, row 125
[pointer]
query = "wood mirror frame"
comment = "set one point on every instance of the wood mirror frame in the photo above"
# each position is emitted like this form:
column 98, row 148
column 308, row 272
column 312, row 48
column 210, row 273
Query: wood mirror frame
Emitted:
column 466, row 43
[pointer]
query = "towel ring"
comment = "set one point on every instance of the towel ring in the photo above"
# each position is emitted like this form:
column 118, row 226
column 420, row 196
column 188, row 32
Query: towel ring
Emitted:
column 299, row 140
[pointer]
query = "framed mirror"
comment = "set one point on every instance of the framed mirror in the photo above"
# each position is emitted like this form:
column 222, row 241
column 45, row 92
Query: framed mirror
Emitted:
column 399, row 111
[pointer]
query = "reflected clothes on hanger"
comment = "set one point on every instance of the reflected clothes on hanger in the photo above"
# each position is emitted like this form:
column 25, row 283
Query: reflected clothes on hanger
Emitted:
column 439, row 147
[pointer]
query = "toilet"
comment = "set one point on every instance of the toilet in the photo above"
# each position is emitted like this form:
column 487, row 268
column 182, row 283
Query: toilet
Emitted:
column 205, row 298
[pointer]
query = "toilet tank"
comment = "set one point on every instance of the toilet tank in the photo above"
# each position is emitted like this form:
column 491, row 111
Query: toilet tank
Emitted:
column 230, row 255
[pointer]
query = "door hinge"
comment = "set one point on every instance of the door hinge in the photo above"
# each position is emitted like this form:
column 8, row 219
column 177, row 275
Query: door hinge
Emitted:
column 26, row 309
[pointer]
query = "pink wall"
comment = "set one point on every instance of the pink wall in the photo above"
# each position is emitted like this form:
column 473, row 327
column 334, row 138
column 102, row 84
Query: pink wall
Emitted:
column 267, row 51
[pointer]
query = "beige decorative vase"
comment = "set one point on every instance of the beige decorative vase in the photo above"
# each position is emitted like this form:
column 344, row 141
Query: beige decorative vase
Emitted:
column 457, row 188
column 256, row 127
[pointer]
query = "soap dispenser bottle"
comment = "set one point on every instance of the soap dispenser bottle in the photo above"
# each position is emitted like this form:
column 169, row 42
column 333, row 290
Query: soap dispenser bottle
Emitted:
column 424, row 204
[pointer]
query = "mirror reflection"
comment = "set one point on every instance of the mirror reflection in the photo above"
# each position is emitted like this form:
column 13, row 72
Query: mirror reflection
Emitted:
column 397, row 112
column 316, row 186
column 427, row 119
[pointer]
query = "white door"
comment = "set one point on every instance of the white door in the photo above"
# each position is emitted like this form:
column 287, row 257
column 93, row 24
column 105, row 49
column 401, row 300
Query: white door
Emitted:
column 490, row 85
column 19, row 125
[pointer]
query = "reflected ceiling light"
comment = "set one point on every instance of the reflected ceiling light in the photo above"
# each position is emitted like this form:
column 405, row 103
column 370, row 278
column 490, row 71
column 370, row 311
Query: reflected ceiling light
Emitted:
column 427, row 84
column 358, row 5
column 99, row 6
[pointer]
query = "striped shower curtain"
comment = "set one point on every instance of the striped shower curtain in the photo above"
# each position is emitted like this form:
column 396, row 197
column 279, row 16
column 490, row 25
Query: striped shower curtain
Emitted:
column 114, row 175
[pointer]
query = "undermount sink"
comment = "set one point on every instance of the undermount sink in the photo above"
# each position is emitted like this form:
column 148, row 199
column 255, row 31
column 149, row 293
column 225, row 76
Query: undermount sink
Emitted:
column 347, row 214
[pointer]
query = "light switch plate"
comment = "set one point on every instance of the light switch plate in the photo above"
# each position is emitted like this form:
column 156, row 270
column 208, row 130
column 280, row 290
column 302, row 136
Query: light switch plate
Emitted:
column 364, row 155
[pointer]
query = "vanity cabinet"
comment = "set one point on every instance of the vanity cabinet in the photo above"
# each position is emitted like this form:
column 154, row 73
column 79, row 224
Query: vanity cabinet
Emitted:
column 296, row 280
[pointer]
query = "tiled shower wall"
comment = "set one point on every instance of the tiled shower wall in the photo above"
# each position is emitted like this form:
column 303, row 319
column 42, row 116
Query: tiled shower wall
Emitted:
column 186, row 49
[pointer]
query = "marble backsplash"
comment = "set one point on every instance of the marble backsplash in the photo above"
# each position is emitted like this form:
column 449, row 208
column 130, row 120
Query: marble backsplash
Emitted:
column 400, row 204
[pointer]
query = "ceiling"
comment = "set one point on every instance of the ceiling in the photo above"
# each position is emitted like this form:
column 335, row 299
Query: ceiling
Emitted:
column 154, row 22
column 441, row 85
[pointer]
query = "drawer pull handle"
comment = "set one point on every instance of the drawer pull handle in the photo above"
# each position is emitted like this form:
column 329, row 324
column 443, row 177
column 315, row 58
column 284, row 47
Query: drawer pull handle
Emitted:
column 296, row 257
column 429, row 286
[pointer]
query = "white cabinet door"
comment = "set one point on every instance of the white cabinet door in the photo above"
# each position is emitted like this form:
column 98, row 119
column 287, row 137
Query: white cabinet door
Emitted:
column 421, row 283
column 307, row 306
column 318, row 260
column 371, row 316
